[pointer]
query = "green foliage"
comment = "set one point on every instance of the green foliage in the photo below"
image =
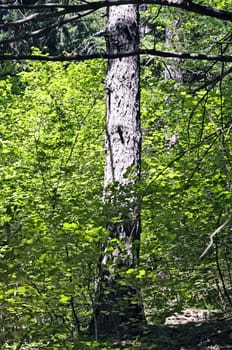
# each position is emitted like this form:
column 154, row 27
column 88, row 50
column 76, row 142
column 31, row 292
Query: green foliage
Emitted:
column 186, row 164
column 187, row 174
column 51, row 182
column 52, row 219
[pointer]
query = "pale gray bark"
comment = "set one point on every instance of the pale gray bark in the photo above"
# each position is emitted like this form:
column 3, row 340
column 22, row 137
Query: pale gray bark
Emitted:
column 122, row 94
column 118, row 306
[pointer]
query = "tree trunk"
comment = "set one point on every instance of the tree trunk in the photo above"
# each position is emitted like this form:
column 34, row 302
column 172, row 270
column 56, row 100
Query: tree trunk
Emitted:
column 118, row 306
column 173, row 41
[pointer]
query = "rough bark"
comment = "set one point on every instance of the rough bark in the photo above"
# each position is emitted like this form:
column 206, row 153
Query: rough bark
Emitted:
column 118, row 305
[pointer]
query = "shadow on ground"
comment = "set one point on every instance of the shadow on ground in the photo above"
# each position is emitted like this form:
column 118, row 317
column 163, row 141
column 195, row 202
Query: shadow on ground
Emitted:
column 209, row 335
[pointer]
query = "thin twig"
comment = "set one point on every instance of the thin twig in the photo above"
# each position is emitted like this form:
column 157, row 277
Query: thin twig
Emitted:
column 212, row 236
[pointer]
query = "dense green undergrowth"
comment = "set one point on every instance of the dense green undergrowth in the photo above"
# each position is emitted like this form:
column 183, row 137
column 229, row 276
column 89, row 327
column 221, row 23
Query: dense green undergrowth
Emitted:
column 52, row 215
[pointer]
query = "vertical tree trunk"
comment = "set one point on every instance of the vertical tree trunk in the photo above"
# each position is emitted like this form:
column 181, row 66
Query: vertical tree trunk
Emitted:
column 118, row 305
column 173, row 41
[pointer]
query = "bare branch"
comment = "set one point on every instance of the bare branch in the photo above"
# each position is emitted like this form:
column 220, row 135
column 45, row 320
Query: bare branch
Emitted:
column 86, row 8
column 44, row 30
column 96, row 5
column 103, row 55
column 43, row 16
column 186, row 55
column 213, row 81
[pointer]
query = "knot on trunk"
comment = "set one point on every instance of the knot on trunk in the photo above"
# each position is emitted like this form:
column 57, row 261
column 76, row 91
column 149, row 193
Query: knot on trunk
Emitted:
column 121, row 36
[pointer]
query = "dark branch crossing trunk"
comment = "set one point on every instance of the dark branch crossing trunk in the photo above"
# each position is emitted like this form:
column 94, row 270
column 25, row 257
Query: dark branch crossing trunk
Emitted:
column 118, row 306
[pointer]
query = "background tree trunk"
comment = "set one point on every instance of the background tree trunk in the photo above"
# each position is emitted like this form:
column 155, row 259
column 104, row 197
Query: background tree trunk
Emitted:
column 118, row 305
column 173, row 41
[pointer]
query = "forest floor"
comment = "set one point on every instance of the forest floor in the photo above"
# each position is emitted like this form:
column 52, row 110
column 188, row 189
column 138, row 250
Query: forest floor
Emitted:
column 207, row 335
column 192, row 329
